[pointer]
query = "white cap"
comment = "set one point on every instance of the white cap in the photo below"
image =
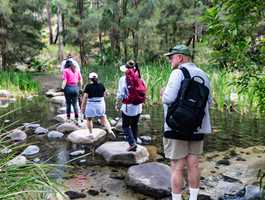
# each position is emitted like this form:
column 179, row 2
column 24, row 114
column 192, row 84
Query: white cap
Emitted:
column 92, row 75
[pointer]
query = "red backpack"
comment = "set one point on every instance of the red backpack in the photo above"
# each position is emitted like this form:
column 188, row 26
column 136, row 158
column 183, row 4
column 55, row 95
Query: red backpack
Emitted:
column 136, row 88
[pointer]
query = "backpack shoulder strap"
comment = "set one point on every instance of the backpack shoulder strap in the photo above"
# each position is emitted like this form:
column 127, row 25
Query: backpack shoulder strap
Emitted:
column 185, row 73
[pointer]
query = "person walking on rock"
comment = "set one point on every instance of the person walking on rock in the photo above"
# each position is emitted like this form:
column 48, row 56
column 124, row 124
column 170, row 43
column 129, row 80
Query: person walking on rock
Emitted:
column 131, row 97
column 70, row 58
column 71, row 79
column 179, row 146
column 93, row 103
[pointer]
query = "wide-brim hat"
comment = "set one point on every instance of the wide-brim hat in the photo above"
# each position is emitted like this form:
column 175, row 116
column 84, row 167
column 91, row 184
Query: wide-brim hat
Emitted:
column 92, row 75
column 123, row 68
column 179, row 49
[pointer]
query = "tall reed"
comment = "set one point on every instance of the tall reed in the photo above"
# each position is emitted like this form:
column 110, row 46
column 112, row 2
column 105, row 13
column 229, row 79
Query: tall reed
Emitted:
column 224, row 89
column 18, row 82
column 22, row 181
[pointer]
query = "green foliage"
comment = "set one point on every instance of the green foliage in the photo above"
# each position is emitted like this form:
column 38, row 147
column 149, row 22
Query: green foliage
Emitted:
column 22, row 23
column 235, row 34
column 23, row 182
column 18, row 82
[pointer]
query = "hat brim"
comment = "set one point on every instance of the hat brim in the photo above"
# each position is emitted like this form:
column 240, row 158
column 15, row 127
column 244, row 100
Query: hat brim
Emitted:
column 170, row 53
column 123, row 68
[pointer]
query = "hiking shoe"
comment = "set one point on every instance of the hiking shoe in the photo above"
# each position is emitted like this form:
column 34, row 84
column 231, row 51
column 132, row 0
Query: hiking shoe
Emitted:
column 132, row 147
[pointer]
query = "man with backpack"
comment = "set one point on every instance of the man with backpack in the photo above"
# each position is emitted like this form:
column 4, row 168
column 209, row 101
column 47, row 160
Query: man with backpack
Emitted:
column 186, row 101
column 131, row 94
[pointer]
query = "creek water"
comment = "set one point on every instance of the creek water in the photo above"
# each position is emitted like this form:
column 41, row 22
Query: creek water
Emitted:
column 229, row 128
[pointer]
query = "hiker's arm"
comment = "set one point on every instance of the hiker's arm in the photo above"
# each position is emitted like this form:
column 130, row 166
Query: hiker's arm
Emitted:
column 63, row 84
column 84, row 100
column 172, row 88
column 80, row 81
column 120, row 94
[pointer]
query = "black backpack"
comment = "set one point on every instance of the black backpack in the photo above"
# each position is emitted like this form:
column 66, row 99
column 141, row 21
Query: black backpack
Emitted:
column 186, row 113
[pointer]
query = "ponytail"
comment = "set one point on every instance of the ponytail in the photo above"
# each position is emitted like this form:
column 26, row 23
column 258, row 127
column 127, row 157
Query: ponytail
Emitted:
column 137, row 69
column 73, row 68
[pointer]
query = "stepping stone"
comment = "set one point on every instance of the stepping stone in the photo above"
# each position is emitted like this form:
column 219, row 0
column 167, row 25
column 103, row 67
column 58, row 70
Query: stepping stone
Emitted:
column 17, row 135
column 83, row 136
column 67, row 127
column 41, row 131
column 151, row 179
column 31, row 150
column 58, row 100
column 116, row 153
column 55, row 135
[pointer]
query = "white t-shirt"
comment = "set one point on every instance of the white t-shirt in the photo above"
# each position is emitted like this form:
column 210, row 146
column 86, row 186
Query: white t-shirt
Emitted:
column 73, row 61
column 122, row 93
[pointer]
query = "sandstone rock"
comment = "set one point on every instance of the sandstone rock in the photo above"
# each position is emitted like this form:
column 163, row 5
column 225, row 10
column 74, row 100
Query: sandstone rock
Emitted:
column 18, row 160
column 41, row 130
column 58, row 100
column 53, row 93
column 151, row 179
column 83, row 136
column 116, row 153
column 31, row 150
column 67, row 127
column 17, row 135
column 55, row 135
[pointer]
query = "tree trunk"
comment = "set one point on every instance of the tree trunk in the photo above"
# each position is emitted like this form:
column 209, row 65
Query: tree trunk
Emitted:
column 3, row 41
column 193, row 41
column 60, row 35
column 135, row 45
column 125, row 31
column 81, row 32
column 101, row 46
column 115, row 33
column 48, row 8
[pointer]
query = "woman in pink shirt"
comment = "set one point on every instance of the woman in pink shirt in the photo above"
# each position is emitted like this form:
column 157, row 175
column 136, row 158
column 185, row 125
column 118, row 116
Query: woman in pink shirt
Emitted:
column 71, row 78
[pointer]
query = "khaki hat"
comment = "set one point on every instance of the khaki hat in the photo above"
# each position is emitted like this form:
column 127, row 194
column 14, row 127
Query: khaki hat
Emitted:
column 179, row 49
column 129, row 64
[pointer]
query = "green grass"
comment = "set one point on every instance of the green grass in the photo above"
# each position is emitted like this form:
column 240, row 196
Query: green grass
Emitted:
column 19, row 83
column 156, row 77
column 22, row 182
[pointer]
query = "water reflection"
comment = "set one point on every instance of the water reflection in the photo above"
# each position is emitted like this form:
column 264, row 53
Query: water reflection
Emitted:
column 229, row 129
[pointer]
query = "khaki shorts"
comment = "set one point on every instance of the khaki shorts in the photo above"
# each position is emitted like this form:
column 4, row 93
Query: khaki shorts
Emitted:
column 177, row 149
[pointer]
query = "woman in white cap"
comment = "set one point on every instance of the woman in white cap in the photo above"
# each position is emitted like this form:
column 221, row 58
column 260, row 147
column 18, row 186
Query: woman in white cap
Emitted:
column 130, row 111
column 93, row 103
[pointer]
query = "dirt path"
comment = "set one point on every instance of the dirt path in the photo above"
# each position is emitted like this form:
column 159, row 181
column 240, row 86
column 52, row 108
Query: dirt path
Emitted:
column 48, row 81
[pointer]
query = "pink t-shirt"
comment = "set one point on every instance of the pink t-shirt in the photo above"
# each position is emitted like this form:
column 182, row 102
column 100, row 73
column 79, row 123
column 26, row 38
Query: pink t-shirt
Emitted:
column 71, row 77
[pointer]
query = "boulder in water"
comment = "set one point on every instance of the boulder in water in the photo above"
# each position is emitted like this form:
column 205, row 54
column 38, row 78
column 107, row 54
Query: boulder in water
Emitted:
column 83, row 136
column 116, row 153
column 55, row 135
column 151, row 179
column 17, row 135
column 31, row 150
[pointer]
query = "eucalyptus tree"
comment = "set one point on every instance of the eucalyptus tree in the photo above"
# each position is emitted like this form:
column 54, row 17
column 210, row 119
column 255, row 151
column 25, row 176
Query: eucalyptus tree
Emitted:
column 236, row 33
column 20, row 24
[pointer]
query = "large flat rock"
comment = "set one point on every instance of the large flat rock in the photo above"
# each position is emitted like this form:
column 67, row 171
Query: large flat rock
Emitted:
column 151, row 179
column 116, row 153
column 83, row 136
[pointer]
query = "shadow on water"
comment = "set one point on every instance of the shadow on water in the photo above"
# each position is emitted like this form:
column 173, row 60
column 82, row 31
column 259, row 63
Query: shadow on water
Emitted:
column 230, row 129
